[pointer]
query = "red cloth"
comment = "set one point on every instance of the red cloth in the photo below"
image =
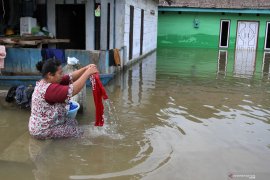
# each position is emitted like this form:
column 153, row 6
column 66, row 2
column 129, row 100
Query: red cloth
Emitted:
column 99, row 93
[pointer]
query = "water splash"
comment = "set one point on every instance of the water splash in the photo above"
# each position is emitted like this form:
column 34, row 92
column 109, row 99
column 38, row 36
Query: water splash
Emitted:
column 148, row 160
column 111, row 124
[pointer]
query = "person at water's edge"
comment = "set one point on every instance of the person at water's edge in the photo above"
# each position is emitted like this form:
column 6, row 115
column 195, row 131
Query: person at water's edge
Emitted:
column 50, row 100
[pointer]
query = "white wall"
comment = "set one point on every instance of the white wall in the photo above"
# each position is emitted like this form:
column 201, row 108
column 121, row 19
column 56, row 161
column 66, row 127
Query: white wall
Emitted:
column 150, row 26
column 89, row 25
column 119, row 23
column 103, row 28
column 51, row 17
column 121, row 35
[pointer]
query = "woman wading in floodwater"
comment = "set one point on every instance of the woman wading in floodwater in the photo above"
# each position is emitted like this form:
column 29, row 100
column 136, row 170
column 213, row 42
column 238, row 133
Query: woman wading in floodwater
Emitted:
column 50, row 100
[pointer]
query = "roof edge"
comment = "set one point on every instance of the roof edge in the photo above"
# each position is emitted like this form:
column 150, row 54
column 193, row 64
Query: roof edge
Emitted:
column 224, row 10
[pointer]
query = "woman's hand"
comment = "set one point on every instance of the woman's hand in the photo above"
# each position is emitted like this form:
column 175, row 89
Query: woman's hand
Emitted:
column 79, row 84
column 90, row 65
column 92, row 69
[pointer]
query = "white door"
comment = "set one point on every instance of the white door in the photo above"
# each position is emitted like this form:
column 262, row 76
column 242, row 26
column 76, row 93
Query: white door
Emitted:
column 247, row 33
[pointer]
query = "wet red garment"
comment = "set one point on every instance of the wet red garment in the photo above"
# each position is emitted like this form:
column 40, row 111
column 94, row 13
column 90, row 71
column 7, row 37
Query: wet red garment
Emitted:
column 99, row 93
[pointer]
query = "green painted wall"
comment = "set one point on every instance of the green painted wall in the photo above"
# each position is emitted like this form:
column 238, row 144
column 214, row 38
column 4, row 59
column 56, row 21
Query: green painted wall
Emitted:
column 176, row 30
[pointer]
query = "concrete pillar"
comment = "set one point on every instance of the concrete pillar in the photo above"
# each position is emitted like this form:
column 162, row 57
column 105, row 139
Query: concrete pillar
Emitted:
column 119, row 23
column 90, row 24
column 112, row 24
column 103, row 24
column 103, row 62
column 51, row 17
column 51, row 20
column 125, row 59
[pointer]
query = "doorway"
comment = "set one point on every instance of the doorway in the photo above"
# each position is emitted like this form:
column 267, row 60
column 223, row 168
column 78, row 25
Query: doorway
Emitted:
column 70, row 24
column 247, row 35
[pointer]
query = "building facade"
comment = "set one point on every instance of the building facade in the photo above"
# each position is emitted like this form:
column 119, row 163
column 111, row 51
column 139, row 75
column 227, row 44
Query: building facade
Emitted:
column 118, row 24
column 214, row 24
column 92, row 26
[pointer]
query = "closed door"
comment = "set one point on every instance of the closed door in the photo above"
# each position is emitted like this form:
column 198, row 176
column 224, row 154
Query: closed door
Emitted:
column 247, row 35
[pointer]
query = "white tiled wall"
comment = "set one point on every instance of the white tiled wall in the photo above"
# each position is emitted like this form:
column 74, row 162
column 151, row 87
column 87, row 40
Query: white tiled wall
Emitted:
column 150, row 26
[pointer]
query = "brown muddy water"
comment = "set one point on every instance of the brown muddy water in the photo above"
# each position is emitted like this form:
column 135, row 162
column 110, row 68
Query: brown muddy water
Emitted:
column 180, row 114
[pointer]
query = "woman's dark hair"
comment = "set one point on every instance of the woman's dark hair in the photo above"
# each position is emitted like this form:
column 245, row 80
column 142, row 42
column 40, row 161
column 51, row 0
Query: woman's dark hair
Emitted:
column 48, row 66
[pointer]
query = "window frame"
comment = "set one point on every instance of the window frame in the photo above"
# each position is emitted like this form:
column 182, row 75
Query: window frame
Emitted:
column 220, row 32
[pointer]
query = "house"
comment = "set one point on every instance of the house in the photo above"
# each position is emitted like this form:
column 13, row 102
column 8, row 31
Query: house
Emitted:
column 119, row 23
column 223, row 24
column 91, row 26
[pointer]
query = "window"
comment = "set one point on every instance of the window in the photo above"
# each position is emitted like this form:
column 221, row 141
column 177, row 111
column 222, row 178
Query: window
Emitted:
column 267, row 37
column 142, row 31
column 224, row 33
column 108, row 25
column 131, row 21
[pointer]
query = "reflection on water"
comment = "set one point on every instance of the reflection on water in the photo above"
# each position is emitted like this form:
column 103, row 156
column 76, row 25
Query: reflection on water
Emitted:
column 181, row 114
column 222, row 62
column 245, row 62
column 266, row 67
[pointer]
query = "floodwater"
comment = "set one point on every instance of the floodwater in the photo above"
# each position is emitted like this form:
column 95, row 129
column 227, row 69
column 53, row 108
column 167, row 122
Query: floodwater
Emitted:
column 180, row 114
